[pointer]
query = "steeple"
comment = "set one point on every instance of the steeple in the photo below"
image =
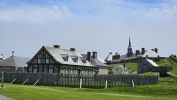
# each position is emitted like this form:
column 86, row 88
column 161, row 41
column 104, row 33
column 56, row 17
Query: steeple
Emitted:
column 129, row 49
column 129, row 43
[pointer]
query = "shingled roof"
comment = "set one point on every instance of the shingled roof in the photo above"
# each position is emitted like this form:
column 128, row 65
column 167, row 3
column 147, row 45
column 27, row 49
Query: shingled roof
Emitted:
column 15, row 61
column 73, row 57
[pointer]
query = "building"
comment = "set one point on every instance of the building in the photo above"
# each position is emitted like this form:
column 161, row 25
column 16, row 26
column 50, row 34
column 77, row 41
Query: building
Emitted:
column 120, row 70
column 136, row 56
column 146, row 66
column 129, row 49
column 98, row 62
column 153, row 53
column 57, row 60
column 14, row 64
column 1, row 57
column 112, row 57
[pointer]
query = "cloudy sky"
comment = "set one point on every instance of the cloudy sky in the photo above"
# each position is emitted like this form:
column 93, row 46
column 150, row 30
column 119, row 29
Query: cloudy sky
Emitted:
column 88, row 25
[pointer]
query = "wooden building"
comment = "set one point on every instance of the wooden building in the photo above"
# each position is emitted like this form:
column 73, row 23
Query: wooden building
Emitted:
column 146, row 66
column 102, row 68
column 57, row 60
column 14, row 64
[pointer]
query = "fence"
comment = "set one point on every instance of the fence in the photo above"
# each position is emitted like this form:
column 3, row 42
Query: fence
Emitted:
column 97, row 81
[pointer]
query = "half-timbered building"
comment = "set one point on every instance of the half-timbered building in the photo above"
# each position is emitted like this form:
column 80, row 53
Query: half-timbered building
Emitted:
column 57, row 60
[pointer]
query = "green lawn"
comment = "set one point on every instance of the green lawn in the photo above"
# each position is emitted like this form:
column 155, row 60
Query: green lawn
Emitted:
column 166, row 90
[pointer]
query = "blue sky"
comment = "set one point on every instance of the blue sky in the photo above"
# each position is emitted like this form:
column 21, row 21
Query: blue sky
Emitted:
column 88, row 25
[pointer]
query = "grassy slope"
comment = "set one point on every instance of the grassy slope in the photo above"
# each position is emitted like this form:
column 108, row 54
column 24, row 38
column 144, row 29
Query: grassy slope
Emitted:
column 169, row 62
column 162, row 62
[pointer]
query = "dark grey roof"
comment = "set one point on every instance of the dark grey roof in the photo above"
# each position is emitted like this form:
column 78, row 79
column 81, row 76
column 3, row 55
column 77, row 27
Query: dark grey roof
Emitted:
column 15, row 61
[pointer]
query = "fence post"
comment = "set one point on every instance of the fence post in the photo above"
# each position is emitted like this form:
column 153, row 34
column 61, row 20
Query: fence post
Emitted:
column 2, row 79
column 80, row 83
column 106, row 85
column 133, row 85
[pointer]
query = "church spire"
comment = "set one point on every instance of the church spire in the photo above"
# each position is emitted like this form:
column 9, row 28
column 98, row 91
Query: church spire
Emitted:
column 129, row 42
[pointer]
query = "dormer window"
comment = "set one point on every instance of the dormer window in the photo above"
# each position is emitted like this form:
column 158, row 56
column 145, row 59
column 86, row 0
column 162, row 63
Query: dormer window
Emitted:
column 65, row 57
column 83, row 60
column 74, row 58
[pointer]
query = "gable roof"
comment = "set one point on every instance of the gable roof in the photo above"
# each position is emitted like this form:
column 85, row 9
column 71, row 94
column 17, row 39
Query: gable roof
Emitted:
column 15, row 61
column 109, row 57
column 151, row 54
column 152, row 63
column 59, row 55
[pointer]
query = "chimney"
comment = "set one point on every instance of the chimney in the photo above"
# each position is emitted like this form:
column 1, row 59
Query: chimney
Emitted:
column 56, row 46
column 72, row 49
column 13, row 53
column 156, row 50
column 142, row 51
column 94, row 55
column 89, row 56
column 137, row 52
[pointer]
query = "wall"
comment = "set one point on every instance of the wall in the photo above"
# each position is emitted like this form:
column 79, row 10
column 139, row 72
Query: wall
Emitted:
column 144, row 66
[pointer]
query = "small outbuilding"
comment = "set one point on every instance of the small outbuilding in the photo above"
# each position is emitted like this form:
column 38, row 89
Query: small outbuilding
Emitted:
column 146, row 66
column 119, row 70
column 14, row 64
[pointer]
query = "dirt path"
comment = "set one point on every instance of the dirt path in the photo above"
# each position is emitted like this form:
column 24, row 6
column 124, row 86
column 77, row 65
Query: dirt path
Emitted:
column 4, row 97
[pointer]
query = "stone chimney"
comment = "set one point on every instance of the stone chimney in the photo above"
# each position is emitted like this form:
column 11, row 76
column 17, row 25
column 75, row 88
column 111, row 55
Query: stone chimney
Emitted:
column 137, row 52
column 156, row 50
column 56, row 46
column 142, row 51
column 94, row 56
column 89, row 56
column 72, row 49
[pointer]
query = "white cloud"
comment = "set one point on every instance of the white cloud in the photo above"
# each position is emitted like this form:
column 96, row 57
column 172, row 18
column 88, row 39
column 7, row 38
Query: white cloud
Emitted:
column 34, row 13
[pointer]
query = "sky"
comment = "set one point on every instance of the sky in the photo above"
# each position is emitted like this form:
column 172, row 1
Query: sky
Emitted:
column 88, row 25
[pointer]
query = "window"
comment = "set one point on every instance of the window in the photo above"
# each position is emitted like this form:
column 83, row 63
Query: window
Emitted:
column 34, row 69
column 47, row 61
column 50, row 70
column 41, row 61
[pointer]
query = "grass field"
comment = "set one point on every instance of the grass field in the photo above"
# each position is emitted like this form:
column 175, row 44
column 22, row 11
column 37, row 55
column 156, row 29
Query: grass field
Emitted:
column 166, row 90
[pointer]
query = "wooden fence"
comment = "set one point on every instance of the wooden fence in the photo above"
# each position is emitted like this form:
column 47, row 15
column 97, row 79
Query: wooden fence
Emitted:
column 97, row 81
